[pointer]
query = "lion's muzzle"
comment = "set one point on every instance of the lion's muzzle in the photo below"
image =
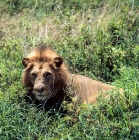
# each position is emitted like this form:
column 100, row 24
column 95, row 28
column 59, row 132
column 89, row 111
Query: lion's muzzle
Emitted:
column 40, row 91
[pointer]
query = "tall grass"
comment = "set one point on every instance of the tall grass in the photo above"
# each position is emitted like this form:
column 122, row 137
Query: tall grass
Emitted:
column 96, row 38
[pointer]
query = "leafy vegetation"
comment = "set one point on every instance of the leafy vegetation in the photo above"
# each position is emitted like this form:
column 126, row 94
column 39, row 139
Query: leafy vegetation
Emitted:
column 99, row 39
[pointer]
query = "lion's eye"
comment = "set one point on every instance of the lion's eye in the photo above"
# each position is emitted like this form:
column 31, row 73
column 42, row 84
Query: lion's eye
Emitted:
column 34, row 75
column 47, row 74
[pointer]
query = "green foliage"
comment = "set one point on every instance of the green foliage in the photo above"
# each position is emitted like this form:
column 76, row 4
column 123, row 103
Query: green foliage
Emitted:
column 42, row 6
column 104, row 53
column 100, row 51
column 96, row 38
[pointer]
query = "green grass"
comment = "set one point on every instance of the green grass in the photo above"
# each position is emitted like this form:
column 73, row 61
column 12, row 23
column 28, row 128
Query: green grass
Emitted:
column 98, row 39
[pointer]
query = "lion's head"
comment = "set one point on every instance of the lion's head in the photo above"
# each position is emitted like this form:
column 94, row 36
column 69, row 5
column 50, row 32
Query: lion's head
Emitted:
column 45, row 73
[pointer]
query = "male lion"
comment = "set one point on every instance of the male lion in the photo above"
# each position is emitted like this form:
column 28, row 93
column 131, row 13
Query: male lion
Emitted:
column 48, row 80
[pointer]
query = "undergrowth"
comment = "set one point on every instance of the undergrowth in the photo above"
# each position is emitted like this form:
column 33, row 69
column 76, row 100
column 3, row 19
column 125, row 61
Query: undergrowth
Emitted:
column 99, row 39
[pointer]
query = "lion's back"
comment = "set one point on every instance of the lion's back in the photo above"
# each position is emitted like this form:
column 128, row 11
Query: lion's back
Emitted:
column 87, row 89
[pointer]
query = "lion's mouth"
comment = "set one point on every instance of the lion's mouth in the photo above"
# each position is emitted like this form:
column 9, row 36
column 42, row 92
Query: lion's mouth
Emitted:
column 41, row 95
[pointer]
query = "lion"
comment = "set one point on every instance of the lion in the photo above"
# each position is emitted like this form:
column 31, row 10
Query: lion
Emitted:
column 48, row 80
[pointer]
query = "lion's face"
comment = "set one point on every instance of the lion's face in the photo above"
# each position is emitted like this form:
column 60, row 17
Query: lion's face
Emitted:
column 42, row 78
column 43, row 73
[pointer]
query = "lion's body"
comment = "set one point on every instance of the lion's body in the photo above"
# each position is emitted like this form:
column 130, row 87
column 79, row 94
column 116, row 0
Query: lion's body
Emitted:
column 48, row 79
column 87, row 89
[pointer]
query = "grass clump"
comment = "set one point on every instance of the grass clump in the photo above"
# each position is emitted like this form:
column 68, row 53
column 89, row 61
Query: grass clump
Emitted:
column 98, row 39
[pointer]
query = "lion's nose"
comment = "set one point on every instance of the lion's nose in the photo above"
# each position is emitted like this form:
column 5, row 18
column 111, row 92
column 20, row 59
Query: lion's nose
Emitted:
column 40, row 90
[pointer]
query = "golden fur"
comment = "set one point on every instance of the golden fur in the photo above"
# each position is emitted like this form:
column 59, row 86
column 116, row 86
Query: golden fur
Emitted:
column 48, row 79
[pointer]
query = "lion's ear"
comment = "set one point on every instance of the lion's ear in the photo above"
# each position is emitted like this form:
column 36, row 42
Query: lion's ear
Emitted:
column 58, row 61
column 25, row 61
